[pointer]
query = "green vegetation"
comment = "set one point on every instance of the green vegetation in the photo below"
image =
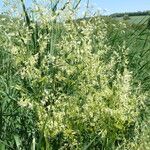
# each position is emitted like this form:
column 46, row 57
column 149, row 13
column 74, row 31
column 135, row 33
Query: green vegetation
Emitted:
column 137, row 20
column 138, row 13
column 67, row 84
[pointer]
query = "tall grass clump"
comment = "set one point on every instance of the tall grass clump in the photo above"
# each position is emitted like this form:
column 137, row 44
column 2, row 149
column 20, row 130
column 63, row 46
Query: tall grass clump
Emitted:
column 137, row 46
column 61, row 84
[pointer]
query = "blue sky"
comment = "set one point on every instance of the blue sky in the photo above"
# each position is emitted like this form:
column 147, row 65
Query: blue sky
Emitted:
column 113, row 6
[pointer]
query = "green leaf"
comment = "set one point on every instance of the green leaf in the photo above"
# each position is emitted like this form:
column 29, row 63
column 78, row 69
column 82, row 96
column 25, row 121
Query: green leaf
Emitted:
column 2, row 146
column 88, row 146
column 18, row 141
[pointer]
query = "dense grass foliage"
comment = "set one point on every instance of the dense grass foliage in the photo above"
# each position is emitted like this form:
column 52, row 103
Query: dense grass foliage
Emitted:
column 67, row 84
column 137, row 39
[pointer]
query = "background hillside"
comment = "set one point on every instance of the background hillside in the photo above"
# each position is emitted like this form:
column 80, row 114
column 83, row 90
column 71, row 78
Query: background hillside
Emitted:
column 133, row 17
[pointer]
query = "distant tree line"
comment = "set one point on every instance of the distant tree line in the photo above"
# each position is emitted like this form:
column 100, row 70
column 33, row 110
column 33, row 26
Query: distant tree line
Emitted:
column 138, row 13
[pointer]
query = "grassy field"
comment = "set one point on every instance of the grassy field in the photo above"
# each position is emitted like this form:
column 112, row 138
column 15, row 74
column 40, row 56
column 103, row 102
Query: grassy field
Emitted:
column 73, row 85
column 136, row 19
